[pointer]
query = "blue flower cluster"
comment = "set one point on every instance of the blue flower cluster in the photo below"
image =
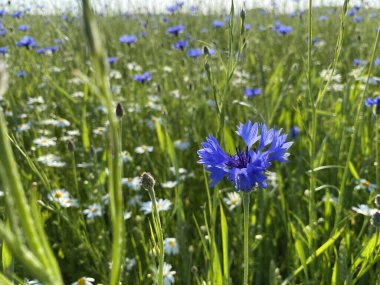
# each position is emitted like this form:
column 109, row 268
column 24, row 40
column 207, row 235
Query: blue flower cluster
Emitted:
column 146, row 76
column 246, row 168
column 127, row 39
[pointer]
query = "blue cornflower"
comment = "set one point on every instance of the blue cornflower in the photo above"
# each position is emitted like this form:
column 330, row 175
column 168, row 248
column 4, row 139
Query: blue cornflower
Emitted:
column 372, row 15
column 194, row 52
column 194, row 9
column 372, row 102
column 40, row 50
column 17, row 14
column 142, row 77
column 23, row 28
column 127, row 39
column 217, row 24
column 294, row 132
column 357, row 62
column 172, row 8
column 3, row 50
column 252, row 92
column 175, row 30
column 21, row 74
column 2, row 12
column 180, row 4
column 323, row 18
column 246, row 168
column 53, row 48
column 247, row 27
column 281, row 29
column 27, row 41
column 112, row 59
column 358, row 19
column 181, row 44
column 377, row 61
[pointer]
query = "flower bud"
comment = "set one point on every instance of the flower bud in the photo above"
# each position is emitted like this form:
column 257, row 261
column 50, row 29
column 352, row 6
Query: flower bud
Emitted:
column 242, row 14
column 375, row 220
column 377, row 200
column 119, row 110
column 71, row 146
column 205, row 50
column 147, row 181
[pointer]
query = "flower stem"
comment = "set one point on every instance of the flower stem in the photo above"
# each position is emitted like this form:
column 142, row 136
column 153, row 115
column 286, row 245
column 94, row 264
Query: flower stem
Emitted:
column 159, row 234
column 246, row 233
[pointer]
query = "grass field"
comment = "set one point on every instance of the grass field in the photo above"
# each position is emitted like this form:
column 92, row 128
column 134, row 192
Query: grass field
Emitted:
column 91, row 102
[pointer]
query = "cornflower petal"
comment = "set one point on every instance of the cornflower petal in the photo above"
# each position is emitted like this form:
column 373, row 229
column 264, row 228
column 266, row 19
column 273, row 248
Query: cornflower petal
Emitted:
column 248, row 132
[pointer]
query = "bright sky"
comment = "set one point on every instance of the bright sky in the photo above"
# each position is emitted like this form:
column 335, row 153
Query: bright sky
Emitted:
column 160, row 5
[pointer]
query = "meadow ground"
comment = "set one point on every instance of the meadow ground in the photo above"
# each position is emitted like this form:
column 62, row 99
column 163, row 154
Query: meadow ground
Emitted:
column 91, row 102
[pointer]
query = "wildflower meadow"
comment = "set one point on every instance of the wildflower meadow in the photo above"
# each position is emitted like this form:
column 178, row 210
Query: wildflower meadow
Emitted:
column 190, row 146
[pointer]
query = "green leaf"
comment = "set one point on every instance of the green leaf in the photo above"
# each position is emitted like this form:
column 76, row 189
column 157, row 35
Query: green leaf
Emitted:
column 6, row 254
column 224, row 227
column 353, row 170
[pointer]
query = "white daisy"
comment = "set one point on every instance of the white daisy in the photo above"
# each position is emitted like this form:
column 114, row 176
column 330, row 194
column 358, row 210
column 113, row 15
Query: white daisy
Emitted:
column 143, row 149
column 84, row 281
column 44, row 141
column 233, row 200
column 364, row 210
column 162, row 205
column 94, row 210
column 171, row 246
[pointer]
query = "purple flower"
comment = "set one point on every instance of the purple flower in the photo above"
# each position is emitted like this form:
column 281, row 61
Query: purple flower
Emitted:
column 146, row 76
column 23, row 28
column 22, row 74
column 247, row 27
column 252, row 92
column 246, row 168
column 172, row 8
column 17, row 14
column 372, row 15
column 377, row 61
column 194, row 9
column 3, row 50
column 217, row 24
column 53, row 48
column 322, row 18
column 294, row 132
column 112, row 59
column 358, row 19
column 194, row 52
column 357, row 62
column 127, row 39
column 281, row 29
column 175, row 30
column 27, row 41
column 372, row 102
column 181, row 45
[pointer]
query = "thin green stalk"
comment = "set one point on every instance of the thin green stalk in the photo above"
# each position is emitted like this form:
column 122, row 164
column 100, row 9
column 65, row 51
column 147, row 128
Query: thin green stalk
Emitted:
column 114, row 149
column 159, row 234
column 377, row 142
column 358, row 119
column 246, row 197
column 313, row 134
